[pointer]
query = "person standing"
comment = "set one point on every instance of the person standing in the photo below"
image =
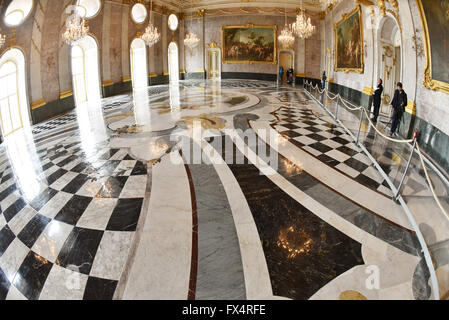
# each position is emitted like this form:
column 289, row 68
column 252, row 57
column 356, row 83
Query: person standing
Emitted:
column 281, row 74
column 323, row 80
column 398, row 104
column 377, row 98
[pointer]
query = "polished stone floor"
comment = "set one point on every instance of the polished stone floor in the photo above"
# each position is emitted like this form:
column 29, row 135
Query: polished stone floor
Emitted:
column 207, row 190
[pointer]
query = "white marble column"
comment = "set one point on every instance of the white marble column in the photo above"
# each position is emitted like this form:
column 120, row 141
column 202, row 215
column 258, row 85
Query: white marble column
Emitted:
column 35, row 55
column 151, row 57
column 125, row 44
column 181, row 45
column 105, row 61
column 165, row 42
column 65, row 74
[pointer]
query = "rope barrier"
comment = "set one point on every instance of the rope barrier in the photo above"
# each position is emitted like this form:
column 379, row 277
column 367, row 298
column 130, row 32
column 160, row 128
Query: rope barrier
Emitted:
column 430, row 182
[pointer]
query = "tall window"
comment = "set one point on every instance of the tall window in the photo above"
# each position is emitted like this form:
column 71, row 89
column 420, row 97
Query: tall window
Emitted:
column 86, row 81
column 139, row 64
column 173, row 67
column 11, row 119
column 78, row 73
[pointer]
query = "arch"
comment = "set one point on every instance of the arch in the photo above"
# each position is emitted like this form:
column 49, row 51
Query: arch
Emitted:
column 138, row 56
column 213, row 63
column 286, row 59
column 88, row 8
column 173, row 62
column 17, row 11
column 85, row 75
column 389, row 57
column 14, row 113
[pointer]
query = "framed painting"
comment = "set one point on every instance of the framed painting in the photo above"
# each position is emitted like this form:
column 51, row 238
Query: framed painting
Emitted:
column 348, row 38
column 249, row 44
column 435, row 21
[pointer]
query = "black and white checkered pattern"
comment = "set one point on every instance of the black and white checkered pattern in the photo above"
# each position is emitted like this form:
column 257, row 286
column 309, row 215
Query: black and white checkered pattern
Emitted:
column 328, row 143
column 72, row 238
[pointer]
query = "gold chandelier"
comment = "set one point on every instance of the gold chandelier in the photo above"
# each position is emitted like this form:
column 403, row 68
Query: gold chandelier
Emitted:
column 303, row 27
column 76, row 29
column 151, row 36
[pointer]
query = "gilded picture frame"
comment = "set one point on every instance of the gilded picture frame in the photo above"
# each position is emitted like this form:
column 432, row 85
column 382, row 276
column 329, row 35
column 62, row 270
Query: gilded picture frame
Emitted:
column 428, row 81
column 338, row 67
column 225, row 52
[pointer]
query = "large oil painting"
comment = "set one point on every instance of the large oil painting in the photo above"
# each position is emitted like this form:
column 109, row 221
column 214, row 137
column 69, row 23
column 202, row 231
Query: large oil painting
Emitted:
column 249, row 44
column 435, row 19
column 348, row 33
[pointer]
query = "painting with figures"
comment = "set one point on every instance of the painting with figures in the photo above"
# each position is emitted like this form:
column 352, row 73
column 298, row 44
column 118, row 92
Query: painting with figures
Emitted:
column 435, row 18
column 348, row 35
column 249, row 44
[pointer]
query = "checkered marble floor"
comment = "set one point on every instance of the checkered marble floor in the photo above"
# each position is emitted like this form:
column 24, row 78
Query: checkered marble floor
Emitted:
column 72, row 239
column 327, row 142
column 108, row 104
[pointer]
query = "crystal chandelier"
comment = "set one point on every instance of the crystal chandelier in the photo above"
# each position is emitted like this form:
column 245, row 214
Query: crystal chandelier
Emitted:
column 286, row 37
column 191, row 40
column 76, row 29
column 303, row 27
column 151, row 35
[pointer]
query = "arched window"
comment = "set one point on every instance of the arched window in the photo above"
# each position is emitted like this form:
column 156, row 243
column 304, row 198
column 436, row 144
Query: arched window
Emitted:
column 13, row 100
column 138, row 54
column 17, row 11
column 173, row 67
column 86, row 83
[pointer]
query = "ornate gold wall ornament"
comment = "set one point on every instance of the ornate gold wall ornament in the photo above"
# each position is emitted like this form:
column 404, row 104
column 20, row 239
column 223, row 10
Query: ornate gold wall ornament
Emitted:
column 411, row 107
column 382, row 8
column 395, row 5
column 345, row 16
column 200, row 13
column 212, row 45
column 428, row 81
column 418, row 45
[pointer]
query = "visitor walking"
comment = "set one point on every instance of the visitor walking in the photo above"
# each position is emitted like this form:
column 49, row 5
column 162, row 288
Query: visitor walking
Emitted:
column 398, row 104
column 377, row 98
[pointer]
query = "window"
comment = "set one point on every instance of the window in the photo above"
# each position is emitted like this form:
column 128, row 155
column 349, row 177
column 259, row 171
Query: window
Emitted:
column 173, row 22
column 173, row 67
column 88, row 8
column 78, row 72
column 13, row 99
column 139, row 64
column 86, row 85
column 18, row 11
column 139, row 13
column 9, row 99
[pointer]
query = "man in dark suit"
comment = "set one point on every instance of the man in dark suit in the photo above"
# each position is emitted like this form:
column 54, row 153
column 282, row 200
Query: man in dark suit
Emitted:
column 377, row 98
column 398, row 104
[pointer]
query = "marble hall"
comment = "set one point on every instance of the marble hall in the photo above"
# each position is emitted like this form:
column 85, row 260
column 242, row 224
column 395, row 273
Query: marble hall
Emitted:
column 220, row 150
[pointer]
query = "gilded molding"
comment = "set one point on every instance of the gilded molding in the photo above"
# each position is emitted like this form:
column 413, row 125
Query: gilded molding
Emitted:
column 107, row 83
column 345, row 16
column 250, row 25
column 38, row 103
column 65, row 94
column 428, row 81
